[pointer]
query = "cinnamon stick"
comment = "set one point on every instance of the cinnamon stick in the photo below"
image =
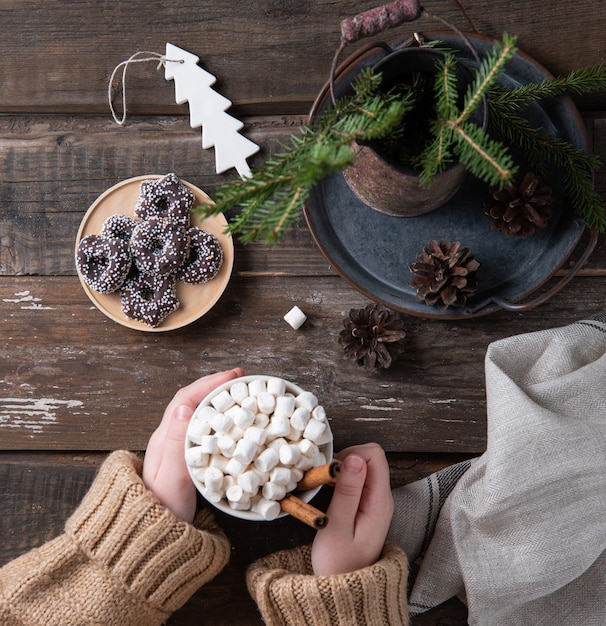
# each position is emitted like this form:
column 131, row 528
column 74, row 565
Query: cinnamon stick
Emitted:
column 303, row 511
column 320, row 475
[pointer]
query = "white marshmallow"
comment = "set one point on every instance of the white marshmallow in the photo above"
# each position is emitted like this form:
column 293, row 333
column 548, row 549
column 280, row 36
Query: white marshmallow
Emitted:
column 325, row 437
column 240, row 506
column 277, row 443
column 285, row 406
column 308, row 448
column 319, row 459
column 235, row 493
column 208, row 444
column 250, row 404
column 296, row 474
column 226, row 445
column 289, row 454
column 307, row 400
column 256, row 435
column 304, row 463
column 276, row 386
column 280, row 475
column 212, row 495
column 241, row 417
column 239, row 391
column 249, row 481
column 291, row 486
column 314, row 430
column 294, row 435
column 222, row 401
column 261, row 420
column 273, row 491
column 245, row 451
column 300, row 417
column 196, row 457
column 267, row 509
column 205, row 413
column 221, row 423
column 235, row 432
column 267, row 460
column 197, row 429
column 235, row 468
column 279, row 426
column 213, row 479
column 198, row 473
column 263, row 476
column 218, row 461
column 319, row 413
column 256, row 386
column 266, row 402
column 228, row 481
column 295, row 318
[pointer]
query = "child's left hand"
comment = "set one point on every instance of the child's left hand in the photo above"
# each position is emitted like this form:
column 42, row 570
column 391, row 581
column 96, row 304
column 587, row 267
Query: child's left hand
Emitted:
column 164, row 469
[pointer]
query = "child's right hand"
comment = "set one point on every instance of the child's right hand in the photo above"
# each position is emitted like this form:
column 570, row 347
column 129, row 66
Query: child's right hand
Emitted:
column 359, row 513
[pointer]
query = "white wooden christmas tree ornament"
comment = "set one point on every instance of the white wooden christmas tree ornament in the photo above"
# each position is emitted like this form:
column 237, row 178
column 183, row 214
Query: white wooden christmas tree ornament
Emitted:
column 207, row 108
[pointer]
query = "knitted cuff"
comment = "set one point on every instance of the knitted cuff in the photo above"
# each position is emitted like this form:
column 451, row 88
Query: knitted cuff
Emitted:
column 122, row 527
column 287, row 592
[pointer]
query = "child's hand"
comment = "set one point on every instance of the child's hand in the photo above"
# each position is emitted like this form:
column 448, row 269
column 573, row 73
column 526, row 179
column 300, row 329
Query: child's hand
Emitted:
column 164, row 469
column 359, row 513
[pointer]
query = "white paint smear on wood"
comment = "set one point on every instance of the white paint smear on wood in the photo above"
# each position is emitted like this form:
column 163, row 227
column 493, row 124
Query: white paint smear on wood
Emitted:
column 32, row 413
column 372, row 419
column 27, row 301
column 372, row 407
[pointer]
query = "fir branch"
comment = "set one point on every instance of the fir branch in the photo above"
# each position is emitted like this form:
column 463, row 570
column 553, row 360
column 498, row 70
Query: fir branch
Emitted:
column 275, row 194
column 581, row 81
column 446, row 89
column 437, row 155
column 578, row 182
column 491, row 67
column 487, row 159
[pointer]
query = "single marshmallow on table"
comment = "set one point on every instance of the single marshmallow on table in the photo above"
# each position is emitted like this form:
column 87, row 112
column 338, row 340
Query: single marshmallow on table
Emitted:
column 295, row 318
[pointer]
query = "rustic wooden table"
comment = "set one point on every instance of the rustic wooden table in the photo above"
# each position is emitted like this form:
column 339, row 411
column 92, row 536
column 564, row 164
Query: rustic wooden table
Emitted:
column 75, row 384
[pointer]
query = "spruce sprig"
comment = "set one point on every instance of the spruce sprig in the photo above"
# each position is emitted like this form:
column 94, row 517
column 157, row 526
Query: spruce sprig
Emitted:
column 275, row 194
column 578, row 82
column 455, row 135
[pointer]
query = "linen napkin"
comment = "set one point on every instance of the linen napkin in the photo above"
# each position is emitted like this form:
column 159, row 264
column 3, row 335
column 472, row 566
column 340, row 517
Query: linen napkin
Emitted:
column 519, row 534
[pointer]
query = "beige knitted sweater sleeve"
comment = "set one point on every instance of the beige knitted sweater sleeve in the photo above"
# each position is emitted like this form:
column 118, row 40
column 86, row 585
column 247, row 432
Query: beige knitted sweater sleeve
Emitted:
column 123, row 559
column 287, row 592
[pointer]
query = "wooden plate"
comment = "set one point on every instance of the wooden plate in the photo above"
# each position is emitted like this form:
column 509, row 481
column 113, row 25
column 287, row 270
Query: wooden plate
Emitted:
column 196, row 300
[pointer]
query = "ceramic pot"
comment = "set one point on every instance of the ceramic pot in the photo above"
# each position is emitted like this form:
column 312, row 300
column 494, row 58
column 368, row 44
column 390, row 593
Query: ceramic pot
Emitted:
column 383, row 183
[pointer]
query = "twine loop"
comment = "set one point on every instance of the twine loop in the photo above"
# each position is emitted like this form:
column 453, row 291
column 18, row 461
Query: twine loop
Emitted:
column 137, row 57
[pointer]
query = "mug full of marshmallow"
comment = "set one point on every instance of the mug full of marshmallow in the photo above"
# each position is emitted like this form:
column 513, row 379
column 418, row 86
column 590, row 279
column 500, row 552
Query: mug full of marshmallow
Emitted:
column 252, row 440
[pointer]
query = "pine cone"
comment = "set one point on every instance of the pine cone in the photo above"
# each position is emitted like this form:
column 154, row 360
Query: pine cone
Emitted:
column 521, row 208
column 374, row 336
column 445, row 274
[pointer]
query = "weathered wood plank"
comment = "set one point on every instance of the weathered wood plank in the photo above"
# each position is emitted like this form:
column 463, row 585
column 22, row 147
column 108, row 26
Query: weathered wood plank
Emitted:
column 40, row 490
column 270, row 56
column 74, row 379
column 53, row 168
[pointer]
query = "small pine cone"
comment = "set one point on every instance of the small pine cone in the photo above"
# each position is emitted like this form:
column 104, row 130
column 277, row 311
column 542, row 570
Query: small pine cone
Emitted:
column 445, row 274
column 519, row 209
column 374, row 336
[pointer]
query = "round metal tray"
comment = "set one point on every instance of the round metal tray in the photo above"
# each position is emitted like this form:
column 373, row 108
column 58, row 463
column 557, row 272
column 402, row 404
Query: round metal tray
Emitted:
column 372, row 251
